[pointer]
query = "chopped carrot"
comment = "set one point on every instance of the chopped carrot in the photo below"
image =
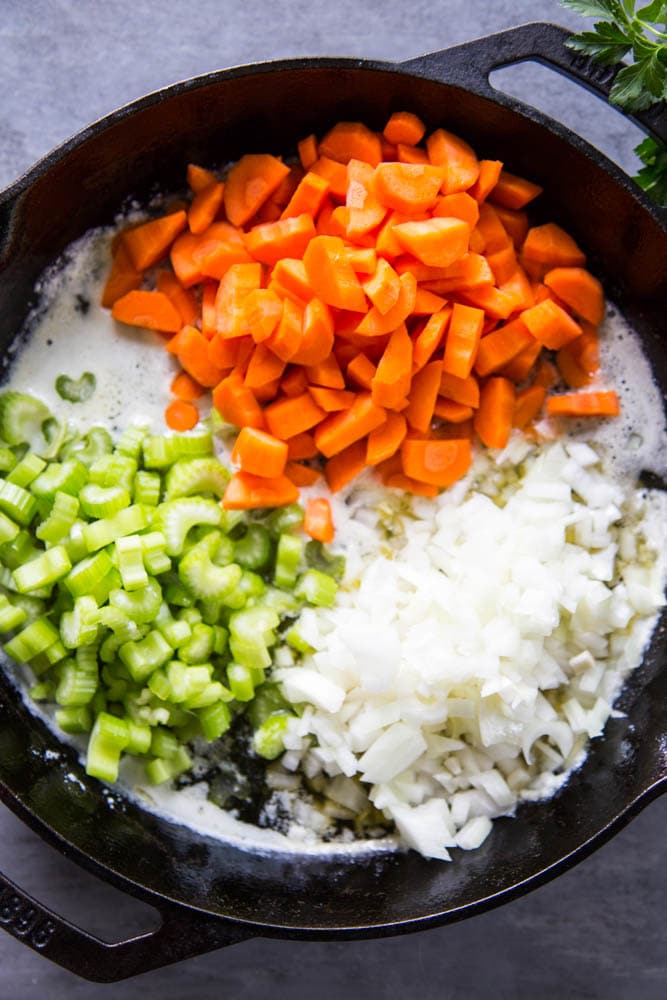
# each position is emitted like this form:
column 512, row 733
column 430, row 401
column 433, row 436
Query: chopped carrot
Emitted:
column 386, row 439
column 192, row 350
column 503, row 263
column 181, row 415
column 519, row 289
column 364, row 260
column 184, row 387
column 458, row 158
column 489, row 172
column 423, row 396
column 339, row 430
column 519, row 367
column 204, row 208
column 527, row 405
column 228, row 354
column 461, row 390
column 439, row 463
column 345, row 466
column 428, row 340
column 409, row 154
column 437, row 242
column 271, row 241
column 123, row 277
column 308, row 151
column 237, row 403
column 399, row 481
column 495, row 303
column 551, row 245
column 375, row 323
column 238, row 282
column 150, row 242
column 584, row 404
column 318, row 521
column 465, row 330
column 391, row 382
column 514, row 192
column 199, row 178
column 361, row 371
column 404, row 127
column 493, row 232
column 365, row 211
column 333, row 172
column 550, row 324
column 427, row 303
column 458, row 206
column 285, row 340
column 326, row 373
column 183, row 298
column 293, row 415
column 451, row 412
column 545, row 374
column 408, row 187
column 500, row 347
column 247, row 492
column 302, row 475
column 515, row 223
column 264, row 368
column 260, row 453
column 308, row 197
column 295, row 382
column 351, row 141
column 263, row 312
column 250, row 182
column 331, row 400
column 493, row 419
column 578, row 289
column 317, row 335
column 152, row 310
column 331, row 276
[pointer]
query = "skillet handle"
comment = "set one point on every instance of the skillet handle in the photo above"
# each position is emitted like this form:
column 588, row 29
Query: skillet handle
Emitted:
column 469, row 65
column 182, row 933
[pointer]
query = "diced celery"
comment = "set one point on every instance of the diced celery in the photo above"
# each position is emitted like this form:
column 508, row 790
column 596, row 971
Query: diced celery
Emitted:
column 18, row 551
column 240, row 682
column 17, row 503
column 131, row 440
column 268, row 700
column 140, row 738
column 78, row 683
column 96, row 443
column 10, row 616
column 203, row 578
column 318, row 557
column 60, row 520
column 22, row 418
column 317, row 588
column 114, row 470
column 176, row 517
column 79, row 626
column 46, row 569
column 75, row 719
column 85, row 576
column 163, row 743
column 209, row 695
column 110, row 736
column 284, row 519
column 141, row 605
column 147, row 488
column 214, row 720
column 288, row 559
column 268, row 739
column 161, row 452
column 296, row 640
column 99, row 534
column 43, row 691
column 32, row 640
column 26, row 470
column 143, row 657
column 7, row 459
column 199, row 648
column 155, row 557
column 196, row 476
column 8, row 529
column 103, row 501
column 253, row 550
column 131, row 562
column 67, row 477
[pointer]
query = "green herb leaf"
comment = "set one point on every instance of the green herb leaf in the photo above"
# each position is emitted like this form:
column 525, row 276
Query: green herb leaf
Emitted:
column 654, row 13
column 76, row 390
column 628, row 90
column 653, row 175
column 607, row 44
column 591, row 8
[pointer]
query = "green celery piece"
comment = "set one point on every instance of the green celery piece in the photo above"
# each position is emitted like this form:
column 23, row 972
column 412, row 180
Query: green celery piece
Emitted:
column 197, row 476
column 161, row 452
column 155, row 557
column 140, row 738
column 18, row 551
column 103, row 501
column 143, row 657
column 160, row 770
column 68, row 477
column 79, row 626
column 114, row 470
column 10, row 616
column 147, row 488
column 74, row 719
column 76, row 390
column 78, row 683
column 99, row 534
column 32, row 640
column 296, row 641
column 199, row 647
column 317, row 588
column 288, row 559
column 285, row 519
column 250, row 588
column 163, row 743
column 46, row 569
column 175, row 518
column 59, row 522
column 212, row 694
column 8, row 529
column 7, row 459
column 267, row 701
column 131, row 441
column 43, row 691
column 85, row 576
column 214, row 720
column 160, row 686
column 240, row 681
column 202, row 577
column 268, row 739
column 96, row 443
column 22, row 418
column 110, row 736
column 253, row 550
column 27, row 470
column 17, row 503
column 130, row 556
column 141, row 605
column 319, row 557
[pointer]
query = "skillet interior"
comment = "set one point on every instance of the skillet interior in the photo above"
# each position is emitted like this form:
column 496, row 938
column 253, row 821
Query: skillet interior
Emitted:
column 213, row 122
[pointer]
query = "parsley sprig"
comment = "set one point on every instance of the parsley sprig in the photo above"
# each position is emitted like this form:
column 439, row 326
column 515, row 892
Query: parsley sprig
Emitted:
column 622, row 31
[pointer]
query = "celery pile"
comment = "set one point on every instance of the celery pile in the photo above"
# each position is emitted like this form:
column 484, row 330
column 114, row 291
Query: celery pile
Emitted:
column 146, row 612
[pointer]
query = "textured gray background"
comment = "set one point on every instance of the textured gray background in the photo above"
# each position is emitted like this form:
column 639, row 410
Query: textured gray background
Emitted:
column 597, row 931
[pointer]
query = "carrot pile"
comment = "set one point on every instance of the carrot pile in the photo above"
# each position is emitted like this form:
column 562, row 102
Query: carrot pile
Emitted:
column 383, row 302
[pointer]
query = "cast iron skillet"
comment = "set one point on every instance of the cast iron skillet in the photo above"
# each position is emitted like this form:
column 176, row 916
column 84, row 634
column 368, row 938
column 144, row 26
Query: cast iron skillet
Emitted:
column 210, row 894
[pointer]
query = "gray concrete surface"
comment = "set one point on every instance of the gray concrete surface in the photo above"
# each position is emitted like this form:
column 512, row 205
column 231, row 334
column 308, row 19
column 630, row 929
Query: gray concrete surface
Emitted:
column 596, row 932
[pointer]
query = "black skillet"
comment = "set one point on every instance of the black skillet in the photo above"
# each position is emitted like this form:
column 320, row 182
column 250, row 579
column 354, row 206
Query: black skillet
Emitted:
column 209, row 893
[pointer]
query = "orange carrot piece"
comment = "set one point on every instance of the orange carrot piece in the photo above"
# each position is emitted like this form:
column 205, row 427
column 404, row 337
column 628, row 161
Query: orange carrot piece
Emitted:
column 238, row 282
column 503, row 263
column 584, row 404
column 248, row 492
column 519, row 367
column 427, row 303
column 550, row 324
column 493, row 232
column 301, row 446
column 391, row 383
column 181, row 415
column 285, row 340
column 404, row 127
column 339, row 430
column 236, row 403
column 308, row 197
column 295, row 383
column 439, row 463
column 182, row 298
column 409, row 154
column 498, row 348
column 430, row 338
column 149, row 243
column 551, row 245
column 318, row 521
column 514, row 192
column 386, row 439
column 250, row 182
column 331, row 400
column 204, row 208
column 383, row 288
column 545, row 374
column 326, row 373
column 264, row 368
column 519, row 289
column 515, row 222
column 364, row 209
column 437, row 242
column 308, row 151
column 333, row 172
column 199, row 178
column 260, row 453
column 579, row 290
column 399, row 481
column 375, row 324
column 465, row 330
column 364, row 260
column 123, row 277
column 184, row 387
column 361, row 371
column 228, row 354
column 351, row 141
column 408, row 187
column 578, row 360
column 271, row 241
column 493, row 419
column 458, row 206
column 293, row 415
column 302, row 475
column 331, row 276
column 263, row 312
column 192, row 351
column 423, row 395
column 496, row 304
column 489, row 172
column 527, row 405
column 461, row 390
column 217, row 248
column 470, row 272
column 345, row 466
column 152, row 310
column 451, row 412
column 459, row 159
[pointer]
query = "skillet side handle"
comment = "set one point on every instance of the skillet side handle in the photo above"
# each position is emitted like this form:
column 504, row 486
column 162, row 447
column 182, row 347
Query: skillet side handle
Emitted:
column 182, row 934
column 470, row 64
